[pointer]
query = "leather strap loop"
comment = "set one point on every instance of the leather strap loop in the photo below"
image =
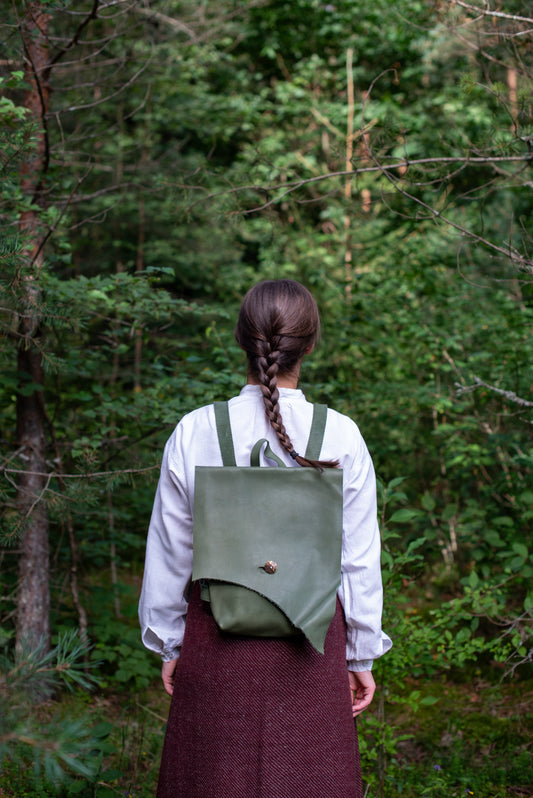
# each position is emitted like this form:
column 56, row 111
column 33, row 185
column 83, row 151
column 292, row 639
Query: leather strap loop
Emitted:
column 256, row 451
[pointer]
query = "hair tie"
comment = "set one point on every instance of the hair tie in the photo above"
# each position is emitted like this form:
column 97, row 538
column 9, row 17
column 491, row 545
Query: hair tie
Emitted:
column 294, row 454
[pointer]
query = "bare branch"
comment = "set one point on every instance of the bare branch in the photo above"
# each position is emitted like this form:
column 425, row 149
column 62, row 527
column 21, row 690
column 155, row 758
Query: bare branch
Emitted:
column 211, row 29
column 289, row 187
column 478, row 383
column 113, row 94
column 93, row 14
column 486, row 12
column 91, row 475
column 521, row 261
column 175, row 24
column 114, row 189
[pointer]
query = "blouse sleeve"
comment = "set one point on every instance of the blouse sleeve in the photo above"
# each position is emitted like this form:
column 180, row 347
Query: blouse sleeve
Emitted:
column 168, row 564
column 361, row 590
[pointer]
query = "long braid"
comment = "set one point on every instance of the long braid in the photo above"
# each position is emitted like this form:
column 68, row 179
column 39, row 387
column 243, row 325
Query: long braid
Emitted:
column 278, row 324
column 267, row 369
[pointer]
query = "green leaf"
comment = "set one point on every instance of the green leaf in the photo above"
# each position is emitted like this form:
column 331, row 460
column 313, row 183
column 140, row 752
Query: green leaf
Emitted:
column 428, row 502
column 387, row 559
column 394, row 483
column 473, row 579
column 520, row 549
column 429, row 700
column 404, row 515
column 415, row 544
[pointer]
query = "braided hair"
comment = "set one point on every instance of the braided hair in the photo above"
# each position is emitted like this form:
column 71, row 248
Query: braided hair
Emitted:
column 278, row 324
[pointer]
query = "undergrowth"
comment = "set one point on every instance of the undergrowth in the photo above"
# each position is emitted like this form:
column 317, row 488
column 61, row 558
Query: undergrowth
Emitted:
column 475, row 739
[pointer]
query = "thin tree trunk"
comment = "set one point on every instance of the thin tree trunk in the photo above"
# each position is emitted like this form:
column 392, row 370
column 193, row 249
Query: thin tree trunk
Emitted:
column 348, row 265
column 33, row 601
column 139, row 266
column 512, row 84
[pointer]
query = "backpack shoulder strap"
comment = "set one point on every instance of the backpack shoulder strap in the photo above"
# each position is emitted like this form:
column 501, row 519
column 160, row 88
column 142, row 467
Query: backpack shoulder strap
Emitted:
column 225, row 438
column 316, row 434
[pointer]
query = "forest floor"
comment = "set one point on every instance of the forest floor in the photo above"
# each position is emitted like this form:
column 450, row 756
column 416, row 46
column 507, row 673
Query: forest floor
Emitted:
column 476, row 739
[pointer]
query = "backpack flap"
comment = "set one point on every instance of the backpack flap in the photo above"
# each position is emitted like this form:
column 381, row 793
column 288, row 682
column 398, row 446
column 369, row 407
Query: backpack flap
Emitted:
column 276, row 531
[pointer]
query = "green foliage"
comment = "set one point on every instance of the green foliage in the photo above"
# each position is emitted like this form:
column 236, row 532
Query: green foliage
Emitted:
column 432, row 639
column 193, row 151
column 131, row 664
column 122, row 659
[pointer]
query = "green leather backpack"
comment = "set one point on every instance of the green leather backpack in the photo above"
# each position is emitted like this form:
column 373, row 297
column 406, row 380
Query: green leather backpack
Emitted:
column 267, row 541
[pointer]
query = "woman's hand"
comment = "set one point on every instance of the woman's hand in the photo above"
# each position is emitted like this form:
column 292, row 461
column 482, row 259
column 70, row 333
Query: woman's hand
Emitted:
column 168, row 670
column 362, row 689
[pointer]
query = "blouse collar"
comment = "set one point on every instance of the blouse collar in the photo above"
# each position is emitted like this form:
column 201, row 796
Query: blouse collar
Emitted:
column 292, row 393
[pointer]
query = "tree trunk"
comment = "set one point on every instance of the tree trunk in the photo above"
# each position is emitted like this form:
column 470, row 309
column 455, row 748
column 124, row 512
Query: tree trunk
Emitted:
column 33, row 600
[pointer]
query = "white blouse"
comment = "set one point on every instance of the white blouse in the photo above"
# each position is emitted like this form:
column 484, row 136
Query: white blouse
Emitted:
column 194, row 442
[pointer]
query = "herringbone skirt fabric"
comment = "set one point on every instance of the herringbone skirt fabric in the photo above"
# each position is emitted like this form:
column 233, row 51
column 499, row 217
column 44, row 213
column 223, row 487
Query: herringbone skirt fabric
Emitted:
column 258, row 718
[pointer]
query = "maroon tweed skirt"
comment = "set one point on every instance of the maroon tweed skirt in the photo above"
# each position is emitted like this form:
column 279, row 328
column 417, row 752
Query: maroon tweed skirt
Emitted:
column 259, row 718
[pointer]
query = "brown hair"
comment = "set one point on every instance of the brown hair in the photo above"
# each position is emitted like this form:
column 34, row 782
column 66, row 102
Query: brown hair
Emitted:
column 278, row 324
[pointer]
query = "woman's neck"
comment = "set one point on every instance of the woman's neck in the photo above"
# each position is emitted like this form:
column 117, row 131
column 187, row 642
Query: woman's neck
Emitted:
column 282, row 381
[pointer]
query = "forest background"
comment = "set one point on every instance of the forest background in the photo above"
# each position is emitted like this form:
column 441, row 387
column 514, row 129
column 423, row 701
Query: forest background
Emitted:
column 157, row 159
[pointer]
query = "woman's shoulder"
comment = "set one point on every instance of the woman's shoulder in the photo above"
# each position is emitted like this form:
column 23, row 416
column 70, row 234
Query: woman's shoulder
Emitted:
column 345, row 438
column 192, row 438
column 202, row 419
column 342, row 422
column 199, row 415
column 195, row 425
